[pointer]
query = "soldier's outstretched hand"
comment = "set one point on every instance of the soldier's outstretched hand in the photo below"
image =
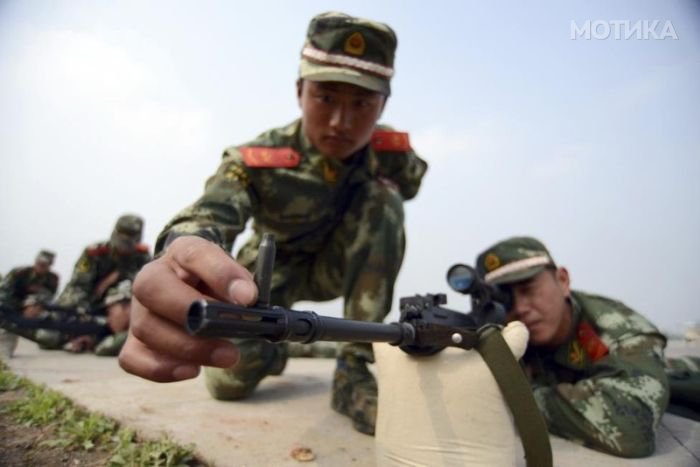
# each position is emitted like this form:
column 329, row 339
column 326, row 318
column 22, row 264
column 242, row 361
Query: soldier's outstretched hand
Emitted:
column 158, row 348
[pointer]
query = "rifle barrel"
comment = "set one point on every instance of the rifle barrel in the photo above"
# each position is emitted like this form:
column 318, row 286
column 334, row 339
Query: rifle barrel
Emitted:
column 215, row 319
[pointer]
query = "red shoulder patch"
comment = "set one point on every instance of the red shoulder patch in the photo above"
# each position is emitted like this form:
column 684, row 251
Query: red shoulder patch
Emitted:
column 589, row 340
column 392, row 141
column 98, row 250
column 270, row 157
column 142, row 248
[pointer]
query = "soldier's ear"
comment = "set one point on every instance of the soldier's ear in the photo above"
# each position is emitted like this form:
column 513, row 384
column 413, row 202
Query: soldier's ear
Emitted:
column 300, row 84
column 562, row 276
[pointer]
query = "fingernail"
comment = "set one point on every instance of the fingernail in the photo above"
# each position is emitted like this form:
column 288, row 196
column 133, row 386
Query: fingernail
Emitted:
column 241, row 292
column 185, row 372
column 224, row 357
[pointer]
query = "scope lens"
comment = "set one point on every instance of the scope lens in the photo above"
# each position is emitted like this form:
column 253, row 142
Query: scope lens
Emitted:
column 460, row 278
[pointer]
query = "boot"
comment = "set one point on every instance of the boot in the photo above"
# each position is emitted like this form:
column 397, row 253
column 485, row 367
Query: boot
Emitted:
column 111, row 345
column 355, row 393
column 258, row 360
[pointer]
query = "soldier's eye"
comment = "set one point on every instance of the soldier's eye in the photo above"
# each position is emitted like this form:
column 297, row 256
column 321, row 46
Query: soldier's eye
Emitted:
column 324, row 98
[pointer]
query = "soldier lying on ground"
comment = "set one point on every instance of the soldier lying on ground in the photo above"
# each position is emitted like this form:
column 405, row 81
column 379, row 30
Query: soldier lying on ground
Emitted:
column 330, row 187
column 596, row 366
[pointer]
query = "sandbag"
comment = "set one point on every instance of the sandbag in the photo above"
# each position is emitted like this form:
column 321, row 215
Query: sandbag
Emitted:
column 445, row 409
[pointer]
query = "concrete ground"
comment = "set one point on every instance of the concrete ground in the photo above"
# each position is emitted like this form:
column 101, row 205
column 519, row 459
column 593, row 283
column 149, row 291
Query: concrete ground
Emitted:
column 287, row 412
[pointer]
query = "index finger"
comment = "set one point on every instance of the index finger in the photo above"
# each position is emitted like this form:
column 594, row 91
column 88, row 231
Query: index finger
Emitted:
column 209, row 268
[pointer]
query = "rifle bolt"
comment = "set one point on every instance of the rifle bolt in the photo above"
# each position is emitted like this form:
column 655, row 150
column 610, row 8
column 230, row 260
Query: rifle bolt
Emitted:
column 457, row 338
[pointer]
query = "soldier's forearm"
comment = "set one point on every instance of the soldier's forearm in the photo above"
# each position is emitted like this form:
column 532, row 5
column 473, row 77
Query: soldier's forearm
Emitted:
column 607, row 420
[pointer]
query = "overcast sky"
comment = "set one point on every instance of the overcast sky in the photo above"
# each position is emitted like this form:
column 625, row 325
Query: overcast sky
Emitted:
column 591, row 145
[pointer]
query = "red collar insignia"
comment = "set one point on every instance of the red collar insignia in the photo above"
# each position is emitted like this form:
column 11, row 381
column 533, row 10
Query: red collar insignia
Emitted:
column 589, row 340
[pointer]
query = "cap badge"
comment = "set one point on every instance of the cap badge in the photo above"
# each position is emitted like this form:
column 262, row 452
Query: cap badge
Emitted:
column 492, row 262
column 355, row 44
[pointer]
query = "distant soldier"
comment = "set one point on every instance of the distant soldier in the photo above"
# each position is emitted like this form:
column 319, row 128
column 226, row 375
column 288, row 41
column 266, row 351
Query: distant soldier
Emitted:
column 101, row 283
column 25, row 290
column 596, row 366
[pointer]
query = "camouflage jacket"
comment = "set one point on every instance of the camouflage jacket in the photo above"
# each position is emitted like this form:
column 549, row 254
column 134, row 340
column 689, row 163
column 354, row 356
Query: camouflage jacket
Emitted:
column 605, row 387
column 95, row 264
column 290, row 189
column 24, row 282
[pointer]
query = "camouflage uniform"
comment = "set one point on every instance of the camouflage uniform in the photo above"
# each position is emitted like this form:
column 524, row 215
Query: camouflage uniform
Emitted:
column 85, row 293
column 339, row 230
column 96, row 262
column 605, row 386
column 25, row 283
column 25, row 286
column 338, row 226
column 606, row 389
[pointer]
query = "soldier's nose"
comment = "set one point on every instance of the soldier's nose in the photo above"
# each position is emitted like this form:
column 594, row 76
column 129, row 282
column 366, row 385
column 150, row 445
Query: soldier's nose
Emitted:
column 340, row 118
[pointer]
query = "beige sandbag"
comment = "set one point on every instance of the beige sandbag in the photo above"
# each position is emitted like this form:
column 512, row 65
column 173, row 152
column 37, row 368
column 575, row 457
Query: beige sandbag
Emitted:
column 443, row 410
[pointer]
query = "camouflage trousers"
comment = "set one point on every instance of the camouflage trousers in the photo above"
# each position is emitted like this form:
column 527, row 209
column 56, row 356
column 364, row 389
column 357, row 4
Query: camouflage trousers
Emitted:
column 358, row 261
column 105, row 346
column 684, row 381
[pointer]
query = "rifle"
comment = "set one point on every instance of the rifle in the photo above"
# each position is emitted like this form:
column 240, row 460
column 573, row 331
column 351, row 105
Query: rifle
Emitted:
column 59, row 318
column 425, row 327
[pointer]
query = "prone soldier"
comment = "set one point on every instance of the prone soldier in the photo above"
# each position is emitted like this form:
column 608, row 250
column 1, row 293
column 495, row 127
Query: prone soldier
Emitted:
column 596, row 366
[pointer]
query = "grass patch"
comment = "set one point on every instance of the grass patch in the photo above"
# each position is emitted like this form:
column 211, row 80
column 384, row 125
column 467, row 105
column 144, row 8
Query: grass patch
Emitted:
column 73, row 428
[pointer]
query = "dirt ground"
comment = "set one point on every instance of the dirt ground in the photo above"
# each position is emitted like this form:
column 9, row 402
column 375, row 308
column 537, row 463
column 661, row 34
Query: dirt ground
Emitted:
column 21, row 446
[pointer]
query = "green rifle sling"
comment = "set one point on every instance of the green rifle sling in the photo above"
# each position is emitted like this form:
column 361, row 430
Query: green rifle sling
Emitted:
column 518, row 394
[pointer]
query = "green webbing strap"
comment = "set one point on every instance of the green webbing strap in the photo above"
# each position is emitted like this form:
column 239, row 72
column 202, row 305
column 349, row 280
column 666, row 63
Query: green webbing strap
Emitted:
column 518, row 394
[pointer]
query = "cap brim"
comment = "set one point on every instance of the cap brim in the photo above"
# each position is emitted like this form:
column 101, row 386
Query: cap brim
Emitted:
column 125, row 242
column 518, row 276
column 315, row 72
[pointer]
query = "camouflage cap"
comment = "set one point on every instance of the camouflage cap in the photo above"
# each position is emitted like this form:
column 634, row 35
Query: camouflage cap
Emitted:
column 45, row 256
column 513, row 260
column 129, row 224
column 351, row 50
column 127, row 231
